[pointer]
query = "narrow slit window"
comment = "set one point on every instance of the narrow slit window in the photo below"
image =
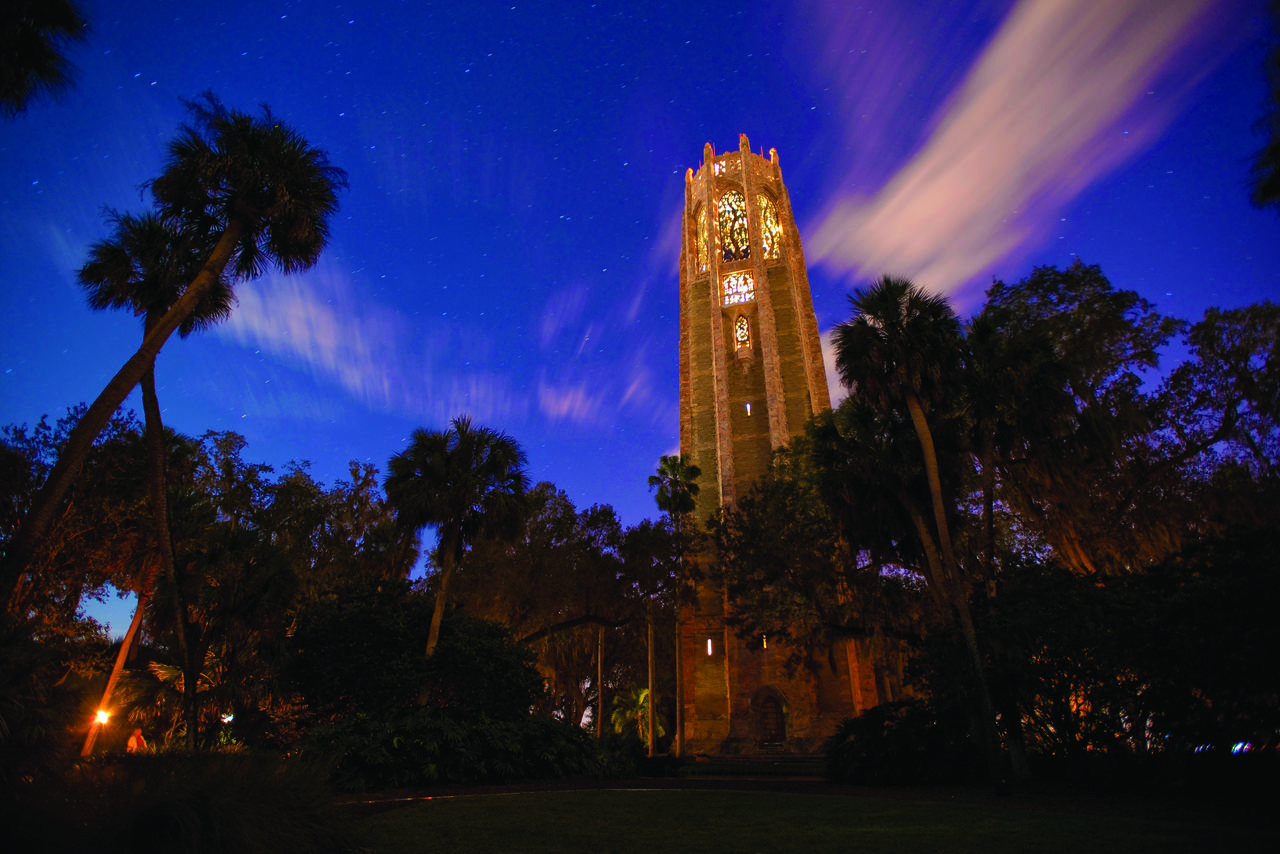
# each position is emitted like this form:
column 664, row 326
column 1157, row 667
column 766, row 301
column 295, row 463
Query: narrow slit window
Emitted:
column 742, row 333
column 748, row 410
column 710, row 649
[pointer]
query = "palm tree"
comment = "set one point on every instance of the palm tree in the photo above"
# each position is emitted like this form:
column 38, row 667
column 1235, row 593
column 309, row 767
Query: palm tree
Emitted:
column 676, row 483
column 264, row 197
column 34, row 36
column 467, row 482
column 901, row 349
column 632, row 712
column 144, row 267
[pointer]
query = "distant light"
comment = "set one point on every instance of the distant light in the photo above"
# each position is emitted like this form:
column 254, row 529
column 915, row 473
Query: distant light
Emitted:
column 228, row 717
column 102, row 716
column 764, row 641
column 748, row 410
column 1241, row 747
column 710, row 651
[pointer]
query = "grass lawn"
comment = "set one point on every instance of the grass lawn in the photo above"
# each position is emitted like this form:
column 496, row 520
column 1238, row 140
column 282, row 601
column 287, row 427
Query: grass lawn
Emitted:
column 620, row 821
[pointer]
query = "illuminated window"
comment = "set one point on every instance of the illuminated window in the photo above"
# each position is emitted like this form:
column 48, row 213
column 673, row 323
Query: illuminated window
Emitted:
column 702, row 241
column 735, row 236
column 748, row 410
column 742, row 333
column 770, row 229
column 764, row 641
column 738, row 288
column 710, row 651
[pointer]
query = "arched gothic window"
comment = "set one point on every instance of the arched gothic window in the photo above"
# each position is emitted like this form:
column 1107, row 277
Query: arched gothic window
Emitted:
column 742, row 333
column 770, row 228
column 735, row 236
column 738, row 288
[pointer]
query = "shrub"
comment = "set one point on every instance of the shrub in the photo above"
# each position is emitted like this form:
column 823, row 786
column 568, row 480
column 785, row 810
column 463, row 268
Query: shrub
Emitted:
column 909, row 742
column 202, row 804
column 423, row 747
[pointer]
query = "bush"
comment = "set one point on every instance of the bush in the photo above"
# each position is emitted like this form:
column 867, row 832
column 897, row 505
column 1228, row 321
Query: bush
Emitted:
column 364, row 652
column 202, row 804
column 423, row 747
column 910, row 742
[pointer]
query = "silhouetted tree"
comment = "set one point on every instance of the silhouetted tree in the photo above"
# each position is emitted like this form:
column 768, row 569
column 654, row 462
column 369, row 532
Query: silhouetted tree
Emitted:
column 264, row 196
column 34, row 38
column 468, row 483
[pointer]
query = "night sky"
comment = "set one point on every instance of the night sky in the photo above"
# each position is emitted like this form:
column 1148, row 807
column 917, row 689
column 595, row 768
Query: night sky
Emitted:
column 509, row 241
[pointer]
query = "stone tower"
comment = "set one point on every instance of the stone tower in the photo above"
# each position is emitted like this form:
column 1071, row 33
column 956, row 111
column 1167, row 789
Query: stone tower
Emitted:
column 751, row 374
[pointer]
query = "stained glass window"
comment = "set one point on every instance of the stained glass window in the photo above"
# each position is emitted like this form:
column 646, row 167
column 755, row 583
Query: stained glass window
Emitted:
column 742, row 333
column 735, row 237
column 725, row 167
column 702, row 241
column 738, row 288
column 770, row 229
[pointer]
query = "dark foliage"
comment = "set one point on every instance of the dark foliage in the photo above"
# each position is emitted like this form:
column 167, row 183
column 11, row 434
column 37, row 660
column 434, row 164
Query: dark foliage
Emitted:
column 422, row 747
column 361, row 652
column 41, row 699
column 202, row 804
column 36, row 37
column 906, row 743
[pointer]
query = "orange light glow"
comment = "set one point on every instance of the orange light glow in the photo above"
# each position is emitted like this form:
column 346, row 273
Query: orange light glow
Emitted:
column 102, row 716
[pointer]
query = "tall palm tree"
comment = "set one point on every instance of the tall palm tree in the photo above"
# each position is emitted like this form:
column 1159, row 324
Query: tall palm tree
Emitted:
column 34, row 36
column 901, row 350
column 144, row 267
column 264, row 196
column 468, row 483
column 677, row 487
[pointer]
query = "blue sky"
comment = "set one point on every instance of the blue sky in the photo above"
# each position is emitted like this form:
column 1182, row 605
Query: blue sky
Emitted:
column 507, row 247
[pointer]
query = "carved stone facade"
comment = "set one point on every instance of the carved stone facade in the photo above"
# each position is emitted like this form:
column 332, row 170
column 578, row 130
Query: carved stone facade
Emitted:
column 751, row 374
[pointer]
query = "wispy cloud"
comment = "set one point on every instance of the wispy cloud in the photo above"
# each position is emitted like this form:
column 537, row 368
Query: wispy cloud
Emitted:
column 834, row 387
column 316, row 323
column 595, row 366
column 568, row 403
column 1065, row 91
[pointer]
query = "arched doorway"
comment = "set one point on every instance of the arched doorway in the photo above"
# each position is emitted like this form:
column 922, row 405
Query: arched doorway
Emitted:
column 771, row 721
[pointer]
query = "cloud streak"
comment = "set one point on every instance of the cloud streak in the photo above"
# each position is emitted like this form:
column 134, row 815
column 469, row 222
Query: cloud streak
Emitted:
column 1061, row 95
column 315, row 323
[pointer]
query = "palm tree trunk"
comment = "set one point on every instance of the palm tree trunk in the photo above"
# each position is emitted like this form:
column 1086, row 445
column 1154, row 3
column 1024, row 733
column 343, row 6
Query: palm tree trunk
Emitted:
column 679, row 739
column 157, row 486
column 447, row 551
column 116, row 670
column 959, row 598
column 990, row 736
column 925, row 436
column 599, row 681
column 36, row 523
column 651, row 715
